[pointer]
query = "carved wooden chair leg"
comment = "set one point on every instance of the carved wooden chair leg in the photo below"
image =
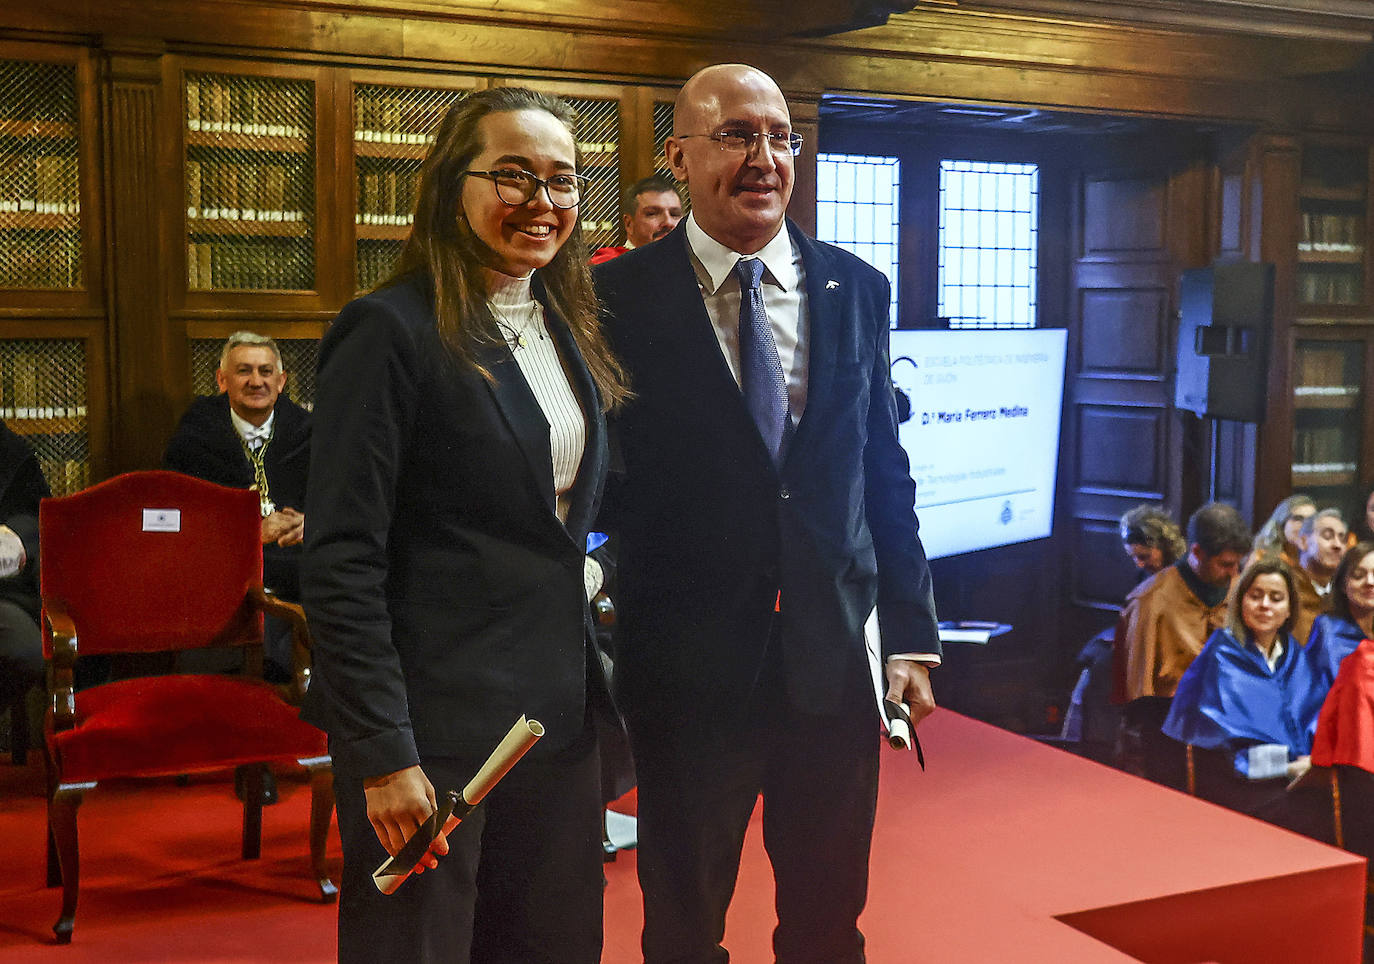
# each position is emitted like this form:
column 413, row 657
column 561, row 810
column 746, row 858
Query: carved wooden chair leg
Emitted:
column 321, row 816
column 62, row 837
column 252, row 812
column 54, row 866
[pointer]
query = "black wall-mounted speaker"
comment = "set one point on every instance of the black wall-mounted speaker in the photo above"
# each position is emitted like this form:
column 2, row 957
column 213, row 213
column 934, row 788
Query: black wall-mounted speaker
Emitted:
column 1226, row 317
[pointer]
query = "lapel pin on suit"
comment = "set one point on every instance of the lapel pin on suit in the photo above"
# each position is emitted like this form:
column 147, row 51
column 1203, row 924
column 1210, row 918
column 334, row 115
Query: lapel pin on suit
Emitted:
column 832, row 283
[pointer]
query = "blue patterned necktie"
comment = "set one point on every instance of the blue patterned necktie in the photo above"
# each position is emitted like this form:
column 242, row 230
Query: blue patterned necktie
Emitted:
column 765, row 390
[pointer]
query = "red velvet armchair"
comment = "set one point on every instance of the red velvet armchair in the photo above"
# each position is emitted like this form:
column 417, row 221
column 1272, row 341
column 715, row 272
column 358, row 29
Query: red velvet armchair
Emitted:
column 158, row 562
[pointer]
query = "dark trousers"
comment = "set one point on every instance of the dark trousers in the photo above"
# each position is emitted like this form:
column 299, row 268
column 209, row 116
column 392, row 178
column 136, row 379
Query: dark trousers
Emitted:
column 21, row 652
column 522, row 881
column 819, row 779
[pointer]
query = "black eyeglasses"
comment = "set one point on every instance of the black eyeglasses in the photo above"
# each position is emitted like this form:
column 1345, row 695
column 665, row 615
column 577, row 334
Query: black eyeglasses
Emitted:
column 737, row 139
column 516, row 187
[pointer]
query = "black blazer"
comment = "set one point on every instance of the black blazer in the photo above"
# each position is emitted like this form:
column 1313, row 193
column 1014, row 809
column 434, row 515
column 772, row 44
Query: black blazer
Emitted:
column 206, row 445
column 444, row 594
column 711, row 531
column 22, row 486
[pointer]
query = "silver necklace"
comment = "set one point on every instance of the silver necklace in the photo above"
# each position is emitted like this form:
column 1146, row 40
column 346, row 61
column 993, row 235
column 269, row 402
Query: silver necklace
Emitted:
column 514, row 332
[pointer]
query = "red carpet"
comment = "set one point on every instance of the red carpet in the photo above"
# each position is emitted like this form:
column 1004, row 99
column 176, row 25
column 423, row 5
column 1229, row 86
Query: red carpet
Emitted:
column 980, row 861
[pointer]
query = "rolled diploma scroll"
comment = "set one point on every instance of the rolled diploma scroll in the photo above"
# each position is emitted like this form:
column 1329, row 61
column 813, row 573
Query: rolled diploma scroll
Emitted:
column 898, row 727
column 391, row 874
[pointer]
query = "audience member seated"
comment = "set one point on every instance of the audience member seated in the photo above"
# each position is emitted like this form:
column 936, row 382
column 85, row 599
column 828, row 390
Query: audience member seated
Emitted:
column 1323, row 545
column 1350, row 617
column 1281, row 535
column 250, row 435
column 651, row 208
column 1345, row 740
column 1152, row 540
column 21, row 648
column 1250, row 702
column 1166, row 621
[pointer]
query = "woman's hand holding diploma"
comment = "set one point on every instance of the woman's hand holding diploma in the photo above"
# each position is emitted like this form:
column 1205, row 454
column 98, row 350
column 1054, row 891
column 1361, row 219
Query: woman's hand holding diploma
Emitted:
column 397, row 803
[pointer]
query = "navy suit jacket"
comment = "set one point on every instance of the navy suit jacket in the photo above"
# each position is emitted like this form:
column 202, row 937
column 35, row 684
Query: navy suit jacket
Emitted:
column 445, row 596
column 711, row 532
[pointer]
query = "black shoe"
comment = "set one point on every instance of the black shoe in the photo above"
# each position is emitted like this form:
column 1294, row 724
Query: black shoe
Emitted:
column 269, row 785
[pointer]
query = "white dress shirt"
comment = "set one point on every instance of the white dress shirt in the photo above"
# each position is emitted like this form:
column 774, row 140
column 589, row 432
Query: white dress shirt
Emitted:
column 783, row 287
column 522, row 322
column 254, row 436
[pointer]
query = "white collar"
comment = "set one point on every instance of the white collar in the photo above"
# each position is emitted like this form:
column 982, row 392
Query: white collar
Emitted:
column 247, row 430
column 718, row 262
column 1273, row 656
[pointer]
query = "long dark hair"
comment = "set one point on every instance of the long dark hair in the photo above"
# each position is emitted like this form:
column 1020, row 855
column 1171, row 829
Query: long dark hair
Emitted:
column 443, row 247
column 1340, row 599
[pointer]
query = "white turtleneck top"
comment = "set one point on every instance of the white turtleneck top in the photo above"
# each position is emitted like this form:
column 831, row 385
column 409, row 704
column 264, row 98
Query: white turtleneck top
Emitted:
column 522, row 321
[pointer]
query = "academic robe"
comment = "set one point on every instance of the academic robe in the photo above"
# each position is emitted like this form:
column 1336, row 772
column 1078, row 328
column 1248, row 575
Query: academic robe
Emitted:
column 1334, row 639
column 1163, row 627
column 1345, row 728
column 1228, row 699
column 1311, row 604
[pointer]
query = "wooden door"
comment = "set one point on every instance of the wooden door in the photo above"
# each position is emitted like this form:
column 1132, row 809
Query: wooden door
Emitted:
column 1139, row 218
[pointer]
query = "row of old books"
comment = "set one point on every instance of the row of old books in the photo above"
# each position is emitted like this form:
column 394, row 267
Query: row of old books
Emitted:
column 398, row 116
column 64, row 475
column 376, row 259
column 1330, row 287
column 248, row 105
column 1327, row 445
column 219, row 190
column 41, row 259
column 255, row 264
column 386, row 197
column 39, row 184
column 34, row 385
column 1331, row 232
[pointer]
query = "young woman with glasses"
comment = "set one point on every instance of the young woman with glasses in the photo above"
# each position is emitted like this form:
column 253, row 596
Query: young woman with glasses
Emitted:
column 460, row 449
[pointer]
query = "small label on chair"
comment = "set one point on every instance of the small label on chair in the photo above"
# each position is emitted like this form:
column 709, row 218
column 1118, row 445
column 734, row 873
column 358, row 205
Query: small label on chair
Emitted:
column 161, row 520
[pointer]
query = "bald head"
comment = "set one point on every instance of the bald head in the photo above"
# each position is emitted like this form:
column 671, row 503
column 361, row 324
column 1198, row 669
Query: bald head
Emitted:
column 739, row 194
column 704, row 90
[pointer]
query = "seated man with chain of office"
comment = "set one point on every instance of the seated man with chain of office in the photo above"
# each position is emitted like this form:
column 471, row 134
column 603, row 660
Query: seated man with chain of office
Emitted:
column 250, row 435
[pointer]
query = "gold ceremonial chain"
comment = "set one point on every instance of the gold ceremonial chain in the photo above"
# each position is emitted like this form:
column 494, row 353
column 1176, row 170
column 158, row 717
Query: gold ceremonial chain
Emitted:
column 258, row 460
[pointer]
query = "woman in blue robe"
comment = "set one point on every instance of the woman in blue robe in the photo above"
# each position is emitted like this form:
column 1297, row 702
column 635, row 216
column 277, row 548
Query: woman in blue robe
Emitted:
column 1249, row 704
column 1350, row 619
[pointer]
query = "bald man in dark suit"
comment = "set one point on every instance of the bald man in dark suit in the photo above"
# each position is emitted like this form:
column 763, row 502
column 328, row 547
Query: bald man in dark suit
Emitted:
column 764, row 509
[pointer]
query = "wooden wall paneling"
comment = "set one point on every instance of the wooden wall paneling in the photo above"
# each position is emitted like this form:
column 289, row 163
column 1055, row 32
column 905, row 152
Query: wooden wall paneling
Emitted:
column 1122, row 442
column 940, row 54
column 806, row 122
column 637, row 148
column 1103, row 575
column 143, row 366
column 1128, row 455
column 1277, row 162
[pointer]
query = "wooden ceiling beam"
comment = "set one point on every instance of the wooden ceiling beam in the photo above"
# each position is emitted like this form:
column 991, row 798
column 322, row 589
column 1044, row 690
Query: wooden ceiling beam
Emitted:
column 1350, row 21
